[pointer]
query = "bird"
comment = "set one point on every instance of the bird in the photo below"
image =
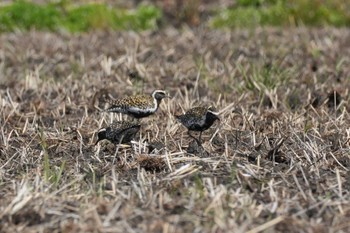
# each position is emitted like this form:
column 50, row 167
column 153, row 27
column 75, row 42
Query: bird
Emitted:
column 198, row 119
column 138, row 106
column 119, row 132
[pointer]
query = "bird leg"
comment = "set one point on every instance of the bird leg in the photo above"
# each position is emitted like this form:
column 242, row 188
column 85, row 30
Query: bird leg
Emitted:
column 198, row 141
column 200, row 138
column 115, row 153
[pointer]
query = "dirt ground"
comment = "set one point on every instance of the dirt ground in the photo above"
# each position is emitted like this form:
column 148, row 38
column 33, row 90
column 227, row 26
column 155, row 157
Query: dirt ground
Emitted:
column 278, row 161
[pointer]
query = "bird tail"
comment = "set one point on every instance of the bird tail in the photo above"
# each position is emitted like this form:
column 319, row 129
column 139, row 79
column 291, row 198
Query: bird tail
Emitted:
column 109, row 104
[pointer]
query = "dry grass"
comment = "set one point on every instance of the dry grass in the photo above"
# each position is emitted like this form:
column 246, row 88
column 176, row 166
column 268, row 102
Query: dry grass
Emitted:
column 277, row 162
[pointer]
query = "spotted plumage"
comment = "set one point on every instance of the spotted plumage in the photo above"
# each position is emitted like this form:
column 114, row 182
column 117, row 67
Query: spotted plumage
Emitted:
column 198, row 119
column 138, row 106
column 119, row 132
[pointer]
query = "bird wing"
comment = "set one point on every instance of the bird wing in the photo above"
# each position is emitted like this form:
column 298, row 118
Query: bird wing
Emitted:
column 120, row 126
column 125, row 134
column 137, row 102
column 197, row 112
column 193, row 118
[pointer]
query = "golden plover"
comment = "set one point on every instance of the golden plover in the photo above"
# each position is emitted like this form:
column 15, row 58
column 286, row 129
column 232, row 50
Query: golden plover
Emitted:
column 119, row 132
column 198, row 119
column 138, row 106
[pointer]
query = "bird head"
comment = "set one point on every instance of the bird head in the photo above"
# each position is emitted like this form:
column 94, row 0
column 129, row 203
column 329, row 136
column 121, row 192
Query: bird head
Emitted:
column 160, row 94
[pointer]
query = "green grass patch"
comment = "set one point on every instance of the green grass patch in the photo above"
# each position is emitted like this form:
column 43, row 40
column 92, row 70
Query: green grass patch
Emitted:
column 284, row 13
column 52, row 174
column 264, row 78
column 25, row 15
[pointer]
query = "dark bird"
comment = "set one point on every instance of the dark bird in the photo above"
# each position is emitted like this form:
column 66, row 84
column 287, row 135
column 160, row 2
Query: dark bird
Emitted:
column 138, row 106
column 119, row 132
column 198, row 119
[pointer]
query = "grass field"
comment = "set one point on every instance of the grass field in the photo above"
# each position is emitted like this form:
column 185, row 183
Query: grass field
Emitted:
column 278, row 161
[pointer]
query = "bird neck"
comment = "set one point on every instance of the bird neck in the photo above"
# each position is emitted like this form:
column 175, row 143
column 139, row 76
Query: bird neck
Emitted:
column 156, row 102
column 211, row 118
column 101, row 135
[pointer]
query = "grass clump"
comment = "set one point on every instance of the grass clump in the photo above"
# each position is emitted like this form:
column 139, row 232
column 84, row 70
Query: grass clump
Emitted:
column 89, row 16
column 283, row 13
column 51, row 173
column 99, row 16
column 25, row 15
column 263, row 78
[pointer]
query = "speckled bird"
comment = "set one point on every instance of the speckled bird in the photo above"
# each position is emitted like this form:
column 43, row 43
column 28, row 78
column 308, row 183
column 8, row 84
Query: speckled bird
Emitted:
column 138, row 106
column 198, row 119
column 119, row 132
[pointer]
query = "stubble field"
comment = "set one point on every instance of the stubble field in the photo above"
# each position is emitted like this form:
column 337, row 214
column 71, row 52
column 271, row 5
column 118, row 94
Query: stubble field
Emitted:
column 278, row 161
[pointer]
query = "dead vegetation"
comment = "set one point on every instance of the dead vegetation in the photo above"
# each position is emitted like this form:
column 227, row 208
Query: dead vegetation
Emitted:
column 277, row 162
